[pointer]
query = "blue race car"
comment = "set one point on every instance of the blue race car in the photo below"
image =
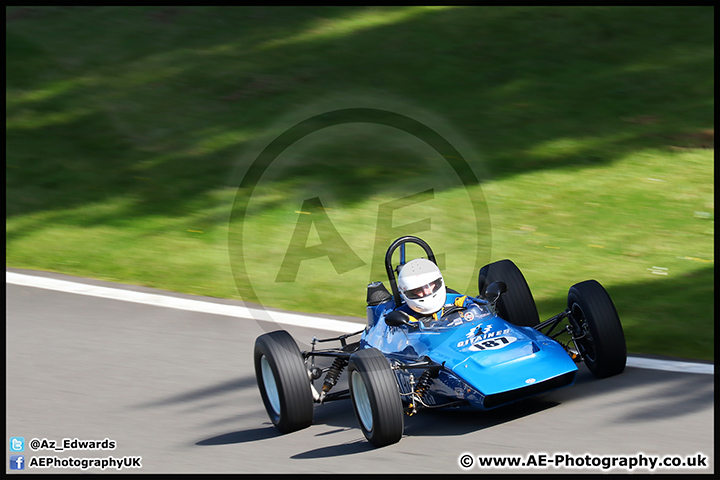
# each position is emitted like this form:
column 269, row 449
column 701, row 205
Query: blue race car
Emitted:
column 428, row 346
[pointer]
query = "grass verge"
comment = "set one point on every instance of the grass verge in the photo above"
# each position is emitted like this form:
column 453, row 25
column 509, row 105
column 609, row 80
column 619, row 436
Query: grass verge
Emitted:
column 591, row 129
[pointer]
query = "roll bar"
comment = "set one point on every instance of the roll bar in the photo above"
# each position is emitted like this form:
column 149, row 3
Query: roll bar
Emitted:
column 400, row 242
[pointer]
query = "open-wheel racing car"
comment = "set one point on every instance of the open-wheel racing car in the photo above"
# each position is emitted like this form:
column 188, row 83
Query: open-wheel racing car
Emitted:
column 482, row 352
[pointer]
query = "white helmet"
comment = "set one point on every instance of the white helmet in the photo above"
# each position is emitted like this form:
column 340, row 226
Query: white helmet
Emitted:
column 421, row 286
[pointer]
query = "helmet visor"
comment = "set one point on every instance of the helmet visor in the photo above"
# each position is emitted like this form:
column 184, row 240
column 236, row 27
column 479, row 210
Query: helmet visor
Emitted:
column 425, row 290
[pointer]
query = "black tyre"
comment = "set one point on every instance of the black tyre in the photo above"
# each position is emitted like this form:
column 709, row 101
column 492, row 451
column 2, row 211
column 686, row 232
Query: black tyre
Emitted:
column 283, row 381
column 517, row 305
column 594, row 317
column 375, row 397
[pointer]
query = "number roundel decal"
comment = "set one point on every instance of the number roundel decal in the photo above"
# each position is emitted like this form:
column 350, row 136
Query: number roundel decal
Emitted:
column 492, row 343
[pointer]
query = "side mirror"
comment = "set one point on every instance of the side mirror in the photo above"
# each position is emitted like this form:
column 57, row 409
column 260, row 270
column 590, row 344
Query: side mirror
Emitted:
column 397, row 318
column 494, row 291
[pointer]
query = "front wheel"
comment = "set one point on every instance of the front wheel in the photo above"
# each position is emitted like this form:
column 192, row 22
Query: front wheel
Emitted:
column 517, row 306
column 597, row 329
column 283, row 381
column 375, row 397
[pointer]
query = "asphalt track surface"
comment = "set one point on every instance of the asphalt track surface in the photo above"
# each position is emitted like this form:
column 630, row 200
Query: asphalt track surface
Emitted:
column 177, row 388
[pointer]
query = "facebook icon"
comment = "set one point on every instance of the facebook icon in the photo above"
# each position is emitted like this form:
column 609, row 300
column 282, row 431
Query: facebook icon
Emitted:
column 17, row 462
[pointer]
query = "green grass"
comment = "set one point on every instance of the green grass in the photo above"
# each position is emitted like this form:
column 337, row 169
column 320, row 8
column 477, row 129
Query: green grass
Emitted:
column 129, row 130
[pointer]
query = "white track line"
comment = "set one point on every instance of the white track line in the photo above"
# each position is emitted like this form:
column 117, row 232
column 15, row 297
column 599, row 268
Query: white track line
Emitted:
column 180, row 303
column 670, row 365
column 271, row 316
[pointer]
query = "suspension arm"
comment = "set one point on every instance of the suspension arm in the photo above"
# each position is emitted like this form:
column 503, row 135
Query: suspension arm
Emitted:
column 340, row 338
column 552, row 322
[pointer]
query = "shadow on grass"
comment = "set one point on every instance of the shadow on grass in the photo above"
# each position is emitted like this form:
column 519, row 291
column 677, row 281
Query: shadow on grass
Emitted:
column 662, row 315
column 153, row 108
column 161, row 104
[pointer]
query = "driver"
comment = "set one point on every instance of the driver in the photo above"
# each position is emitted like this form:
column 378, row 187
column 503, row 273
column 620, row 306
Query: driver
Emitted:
column 421, row 285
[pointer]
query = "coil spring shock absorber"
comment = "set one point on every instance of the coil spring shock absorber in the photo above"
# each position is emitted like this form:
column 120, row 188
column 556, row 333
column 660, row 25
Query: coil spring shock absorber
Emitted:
column 333, row 374
column 418, row 389
column 423, row 383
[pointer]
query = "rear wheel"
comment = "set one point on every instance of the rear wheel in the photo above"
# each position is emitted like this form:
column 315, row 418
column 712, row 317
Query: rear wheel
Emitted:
column 595, row 320
column 517, row 305
column 283, row 381
column 375, row 397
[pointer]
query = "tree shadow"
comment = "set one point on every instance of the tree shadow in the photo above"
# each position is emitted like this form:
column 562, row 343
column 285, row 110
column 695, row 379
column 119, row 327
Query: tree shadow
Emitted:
column 202, row 393
column 117, row 117
column 514, row 91
column 650, row 315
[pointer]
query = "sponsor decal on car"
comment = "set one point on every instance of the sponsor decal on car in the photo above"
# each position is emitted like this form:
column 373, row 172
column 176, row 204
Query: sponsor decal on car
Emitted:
column 483, row 337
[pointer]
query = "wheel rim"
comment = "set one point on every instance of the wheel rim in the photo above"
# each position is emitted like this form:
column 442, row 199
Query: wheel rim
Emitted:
column 362, row 401
column 271, row 390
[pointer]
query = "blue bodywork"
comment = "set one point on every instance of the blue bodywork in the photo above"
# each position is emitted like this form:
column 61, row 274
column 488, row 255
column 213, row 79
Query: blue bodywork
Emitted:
column 478, row 358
